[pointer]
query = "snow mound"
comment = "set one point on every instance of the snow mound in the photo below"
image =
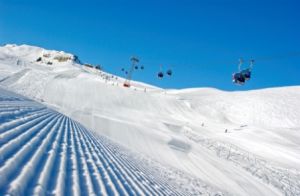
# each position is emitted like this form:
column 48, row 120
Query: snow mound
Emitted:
column 274, row 107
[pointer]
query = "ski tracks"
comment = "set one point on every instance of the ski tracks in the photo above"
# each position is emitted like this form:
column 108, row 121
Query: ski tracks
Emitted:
column 43, row 152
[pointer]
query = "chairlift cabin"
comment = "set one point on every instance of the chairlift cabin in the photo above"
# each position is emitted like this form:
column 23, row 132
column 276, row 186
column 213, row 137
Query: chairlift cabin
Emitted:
column 238, row 78
column 160, row 75
column 244, row 75
column 169, row 72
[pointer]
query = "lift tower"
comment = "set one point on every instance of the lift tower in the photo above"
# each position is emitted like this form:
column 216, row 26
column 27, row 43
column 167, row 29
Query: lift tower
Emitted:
column 134, row 61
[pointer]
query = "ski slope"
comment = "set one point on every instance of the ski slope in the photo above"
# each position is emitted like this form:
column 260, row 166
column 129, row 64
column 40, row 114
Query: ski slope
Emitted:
column 44, row 152
column 179, row 129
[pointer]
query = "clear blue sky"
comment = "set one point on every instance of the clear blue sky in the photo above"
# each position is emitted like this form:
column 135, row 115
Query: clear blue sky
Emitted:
column 201, row 39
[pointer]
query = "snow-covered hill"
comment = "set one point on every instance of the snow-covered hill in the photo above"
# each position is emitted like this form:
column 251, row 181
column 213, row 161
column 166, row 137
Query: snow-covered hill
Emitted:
column 183, row 129
column 44, row 152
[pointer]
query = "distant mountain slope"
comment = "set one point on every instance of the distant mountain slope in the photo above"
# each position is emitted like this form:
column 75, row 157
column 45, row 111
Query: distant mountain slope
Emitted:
column 273, row 107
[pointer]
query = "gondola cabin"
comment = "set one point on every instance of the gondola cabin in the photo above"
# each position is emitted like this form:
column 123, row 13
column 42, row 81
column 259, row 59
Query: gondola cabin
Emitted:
column 160, row 75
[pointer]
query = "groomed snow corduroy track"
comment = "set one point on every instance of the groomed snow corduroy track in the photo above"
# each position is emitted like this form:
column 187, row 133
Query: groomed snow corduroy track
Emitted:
column 43, row 152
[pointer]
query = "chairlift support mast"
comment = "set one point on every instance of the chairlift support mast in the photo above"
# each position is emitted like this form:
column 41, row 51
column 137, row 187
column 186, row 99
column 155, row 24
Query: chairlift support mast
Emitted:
column 134, row 62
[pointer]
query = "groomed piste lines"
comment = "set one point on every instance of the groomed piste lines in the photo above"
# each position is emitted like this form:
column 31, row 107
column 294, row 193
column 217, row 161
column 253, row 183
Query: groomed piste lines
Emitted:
column 43, row 152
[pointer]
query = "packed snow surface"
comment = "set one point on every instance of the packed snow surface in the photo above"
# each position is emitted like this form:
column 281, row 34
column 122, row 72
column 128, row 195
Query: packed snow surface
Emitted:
column 239, row 143
column 44, row 152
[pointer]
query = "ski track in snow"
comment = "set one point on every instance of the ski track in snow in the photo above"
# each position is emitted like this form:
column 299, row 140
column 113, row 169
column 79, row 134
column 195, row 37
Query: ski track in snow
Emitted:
column 286, row 180
column 43, row 152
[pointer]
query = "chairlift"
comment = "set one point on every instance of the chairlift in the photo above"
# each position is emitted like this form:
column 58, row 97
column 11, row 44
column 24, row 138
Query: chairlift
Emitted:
column 134, row 65
column 160, row 75
column 169, row 72
column 238, row 79
column 244, row 75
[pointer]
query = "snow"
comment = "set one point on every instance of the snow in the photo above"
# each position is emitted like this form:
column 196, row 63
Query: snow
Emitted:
column 181, row 130
column 44, row 152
